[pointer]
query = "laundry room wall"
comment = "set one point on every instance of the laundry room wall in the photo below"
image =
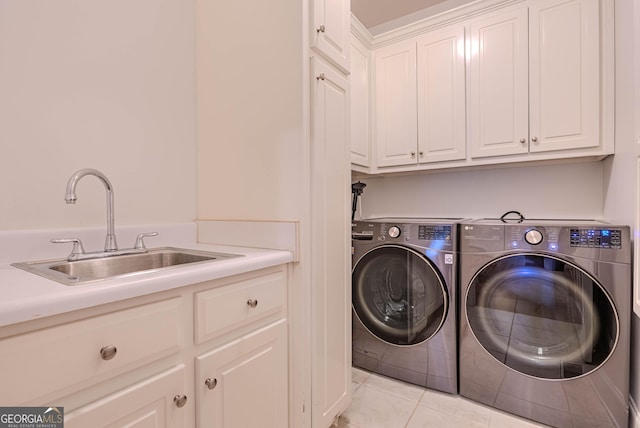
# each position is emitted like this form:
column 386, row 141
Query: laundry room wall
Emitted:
column 573, row 190
column 621, row 172
column 108, row 85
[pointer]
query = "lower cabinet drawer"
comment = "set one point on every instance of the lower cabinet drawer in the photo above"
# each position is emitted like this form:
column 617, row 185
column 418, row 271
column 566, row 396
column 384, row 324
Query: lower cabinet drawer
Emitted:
column 81, row 353
column 159, row 401
column 225, row 308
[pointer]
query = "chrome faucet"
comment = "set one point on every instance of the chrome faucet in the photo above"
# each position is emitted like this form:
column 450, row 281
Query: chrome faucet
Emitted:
column 70, row 197
column 110, row 245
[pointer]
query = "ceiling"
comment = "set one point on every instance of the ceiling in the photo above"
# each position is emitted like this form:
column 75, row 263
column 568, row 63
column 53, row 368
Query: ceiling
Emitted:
column 375, row 12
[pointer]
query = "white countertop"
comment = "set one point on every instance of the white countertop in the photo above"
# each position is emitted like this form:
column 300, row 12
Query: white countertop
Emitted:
column 27, row 296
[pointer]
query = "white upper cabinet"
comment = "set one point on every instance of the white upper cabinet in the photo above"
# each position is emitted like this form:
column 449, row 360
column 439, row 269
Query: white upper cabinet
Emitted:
column 396, row 129
column 420, row 99
column 331, row 30
column 535, row 79
column 493, row 82
column 441, row 95
column 498, row 85
column 564, row 76
column 360, row 103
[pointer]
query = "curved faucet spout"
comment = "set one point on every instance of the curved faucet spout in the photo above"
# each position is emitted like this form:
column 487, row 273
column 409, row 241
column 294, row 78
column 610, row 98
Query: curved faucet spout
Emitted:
column 70, row 197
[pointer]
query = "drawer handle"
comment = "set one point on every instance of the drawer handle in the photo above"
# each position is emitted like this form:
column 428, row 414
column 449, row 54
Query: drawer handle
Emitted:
column 211, row 383
column 108, row 352
column 252, row 303
column 180, row 400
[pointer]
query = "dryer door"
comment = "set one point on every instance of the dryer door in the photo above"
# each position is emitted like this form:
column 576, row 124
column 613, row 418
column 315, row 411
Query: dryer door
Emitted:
column 399, row 295
column 542, row 316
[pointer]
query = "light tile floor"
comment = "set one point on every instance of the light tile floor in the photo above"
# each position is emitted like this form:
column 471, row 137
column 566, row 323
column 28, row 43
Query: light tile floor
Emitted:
column 381, row 402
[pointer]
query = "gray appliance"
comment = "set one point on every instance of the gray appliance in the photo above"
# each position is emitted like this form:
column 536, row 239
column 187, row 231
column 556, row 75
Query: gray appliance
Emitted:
column 404, row 300
column 545, row 319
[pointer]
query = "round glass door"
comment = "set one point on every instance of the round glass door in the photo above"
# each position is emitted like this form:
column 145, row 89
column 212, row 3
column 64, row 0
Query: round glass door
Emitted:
column 542, row 316
column 398, row 295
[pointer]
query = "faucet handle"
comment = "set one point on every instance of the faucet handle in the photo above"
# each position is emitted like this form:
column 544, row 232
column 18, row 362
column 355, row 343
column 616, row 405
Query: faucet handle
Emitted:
column 140, row 240
column 77, row 246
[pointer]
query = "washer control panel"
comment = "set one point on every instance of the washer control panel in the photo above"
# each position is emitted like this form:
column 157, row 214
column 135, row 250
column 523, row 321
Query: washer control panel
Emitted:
column 408, row 233
column 434, row 232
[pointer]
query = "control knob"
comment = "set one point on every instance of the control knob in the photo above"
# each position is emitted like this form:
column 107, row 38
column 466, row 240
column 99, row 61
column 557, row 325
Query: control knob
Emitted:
column 394, row 231
column 533, row 236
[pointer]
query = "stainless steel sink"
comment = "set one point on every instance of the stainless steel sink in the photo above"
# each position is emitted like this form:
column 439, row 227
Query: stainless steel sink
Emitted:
column 84, row 271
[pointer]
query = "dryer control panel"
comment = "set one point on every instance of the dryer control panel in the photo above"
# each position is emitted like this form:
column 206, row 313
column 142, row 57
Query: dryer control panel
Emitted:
column 596, row 238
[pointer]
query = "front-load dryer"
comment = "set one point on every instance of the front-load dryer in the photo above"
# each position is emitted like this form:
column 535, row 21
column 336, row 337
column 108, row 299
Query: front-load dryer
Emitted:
column 545, row 319
column 404, row 300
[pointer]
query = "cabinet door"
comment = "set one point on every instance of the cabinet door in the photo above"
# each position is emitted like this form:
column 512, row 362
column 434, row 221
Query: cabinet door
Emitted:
column 396, row 132
column 498, row 85
column 244, row 383
column 564, row 74
column 152, row 403
column 330, row 236
column 441, row 96
column 360, row 102
column 330, row 30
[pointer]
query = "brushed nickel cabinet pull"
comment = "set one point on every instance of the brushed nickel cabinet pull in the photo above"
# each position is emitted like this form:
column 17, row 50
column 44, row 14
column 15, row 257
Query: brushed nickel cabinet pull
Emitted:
column 180, row 400
column 108, row 352
column 252, row 303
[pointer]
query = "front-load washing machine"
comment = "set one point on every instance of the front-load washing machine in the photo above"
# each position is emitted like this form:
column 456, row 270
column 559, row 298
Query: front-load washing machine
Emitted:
column 545, row 319
column 404, row 300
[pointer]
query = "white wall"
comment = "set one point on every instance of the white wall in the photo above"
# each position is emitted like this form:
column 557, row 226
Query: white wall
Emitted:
column 102, row 84
column 251, row 144
column 621, row 178
column 542, row 191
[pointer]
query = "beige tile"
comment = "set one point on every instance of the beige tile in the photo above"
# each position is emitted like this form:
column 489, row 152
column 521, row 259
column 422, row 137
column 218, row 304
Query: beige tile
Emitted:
column 359, row 375
column 457, row 406
column 504, row 420
column 373, row 408
column 396, row 388
column 426, row 417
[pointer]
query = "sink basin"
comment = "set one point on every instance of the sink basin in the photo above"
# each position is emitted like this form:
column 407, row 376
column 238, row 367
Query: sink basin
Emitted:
column 84, row 271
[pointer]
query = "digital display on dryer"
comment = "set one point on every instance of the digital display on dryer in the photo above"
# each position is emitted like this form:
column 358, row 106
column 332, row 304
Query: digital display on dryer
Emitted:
column 596, row 238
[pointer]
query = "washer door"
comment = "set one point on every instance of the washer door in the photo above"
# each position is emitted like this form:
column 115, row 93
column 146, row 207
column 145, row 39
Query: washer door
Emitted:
column 542, row 316
column 398, row 295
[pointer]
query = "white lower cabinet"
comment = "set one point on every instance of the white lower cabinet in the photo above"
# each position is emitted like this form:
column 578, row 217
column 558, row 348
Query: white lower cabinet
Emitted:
column 244, row 383
column 151, row 403
column 330, row 312
column 214, row 352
